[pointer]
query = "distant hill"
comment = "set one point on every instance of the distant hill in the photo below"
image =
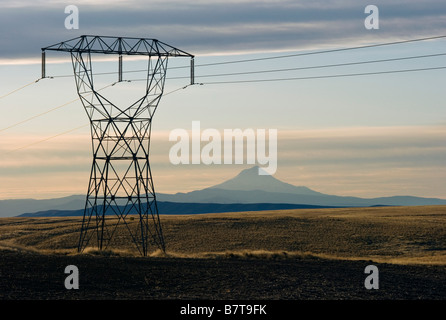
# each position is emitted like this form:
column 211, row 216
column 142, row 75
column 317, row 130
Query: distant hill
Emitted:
column 214, row 195
column 261, row 192
column 250, row 187
column 187, row 208
column 15, row 207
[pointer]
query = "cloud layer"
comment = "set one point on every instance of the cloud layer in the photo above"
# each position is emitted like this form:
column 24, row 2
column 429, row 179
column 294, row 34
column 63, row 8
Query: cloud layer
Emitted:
column 206, row 27
column 364, row 162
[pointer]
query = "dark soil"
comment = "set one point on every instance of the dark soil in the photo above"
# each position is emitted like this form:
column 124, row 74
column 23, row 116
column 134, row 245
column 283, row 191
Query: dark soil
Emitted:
column 33, row 276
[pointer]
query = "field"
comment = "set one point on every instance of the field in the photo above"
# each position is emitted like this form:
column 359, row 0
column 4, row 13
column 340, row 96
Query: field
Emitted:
column 289, row 254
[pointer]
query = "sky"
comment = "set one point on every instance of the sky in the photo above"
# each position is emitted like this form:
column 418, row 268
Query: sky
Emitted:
column 366, row 136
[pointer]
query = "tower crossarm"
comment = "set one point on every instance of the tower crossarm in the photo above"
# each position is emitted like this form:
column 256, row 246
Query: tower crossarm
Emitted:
column 118, row 45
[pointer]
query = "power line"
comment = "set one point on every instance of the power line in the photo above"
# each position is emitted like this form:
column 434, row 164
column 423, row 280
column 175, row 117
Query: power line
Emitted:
column 248, row 72
column 248, row 81
column 326, row 76
column 48, row 111
column 181, row 88
column 46, row 139
column 260, row 80
column 229, row 82
column 263, row 71
column 74, row 129
column 304, row 68
column 38, row 115
column 281, row 56
column 314, row 67
column 18, row 89
column 321, row 51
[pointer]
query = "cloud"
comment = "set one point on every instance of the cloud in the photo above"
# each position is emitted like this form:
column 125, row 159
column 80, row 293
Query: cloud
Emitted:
column 363, row 161
column 205, row 27
column 366, row 161
column 412, row 146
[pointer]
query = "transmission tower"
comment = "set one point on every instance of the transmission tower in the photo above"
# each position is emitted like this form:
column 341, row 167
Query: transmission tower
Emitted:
column 121, row 181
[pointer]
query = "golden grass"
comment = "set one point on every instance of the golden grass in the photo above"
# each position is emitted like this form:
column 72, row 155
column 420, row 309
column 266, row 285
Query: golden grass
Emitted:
column 400, row 235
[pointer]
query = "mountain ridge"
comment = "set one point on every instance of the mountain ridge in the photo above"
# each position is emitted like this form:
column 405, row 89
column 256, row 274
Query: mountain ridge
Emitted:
column 247, row 187
column 251, row 180
column 179, row 208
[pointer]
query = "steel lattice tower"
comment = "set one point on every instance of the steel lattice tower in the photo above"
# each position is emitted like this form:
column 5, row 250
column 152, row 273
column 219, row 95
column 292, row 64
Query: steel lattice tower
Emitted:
column 120, row 180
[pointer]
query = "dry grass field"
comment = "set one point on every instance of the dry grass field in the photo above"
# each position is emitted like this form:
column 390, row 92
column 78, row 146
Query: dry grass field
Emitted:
column 402, row 235
column 288, row 254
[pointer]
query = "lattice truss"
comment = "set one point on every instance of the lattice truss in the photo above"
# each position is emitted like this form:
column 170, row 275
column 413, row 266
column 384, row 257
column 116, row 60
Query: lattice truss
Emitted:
column 121, row 181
